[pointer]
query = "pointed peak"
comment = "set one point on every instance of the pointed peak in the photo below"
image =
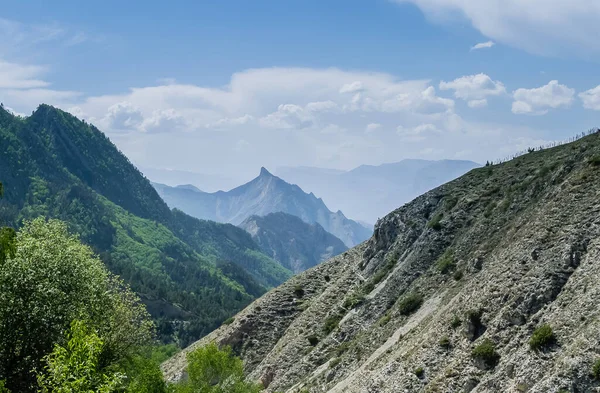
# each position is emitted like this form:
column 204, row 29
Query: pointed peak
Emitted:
column 265, row 172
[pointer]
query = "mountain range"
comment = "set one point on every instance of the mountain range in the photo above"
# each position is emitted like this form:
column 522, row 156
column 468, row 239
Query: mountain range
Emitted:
column 263, row 195
column 369, row 192
column 192, row 274
column 295, row 244
column 488, row 283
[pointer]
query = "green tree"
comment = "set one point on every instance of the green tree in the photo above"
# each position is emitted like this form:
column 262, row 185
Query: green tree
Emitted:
column 50, row 281
column 76, row 366
column 144, row 376
column 214, row 370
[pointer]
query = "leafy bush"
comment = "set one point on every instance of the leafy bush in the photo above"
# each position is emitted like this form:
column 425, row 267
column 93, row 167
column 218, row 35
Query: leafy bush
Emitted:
column 456, row 322
column 445, row 342
column 410, row 303
column 353, row 300
column 214, row 370
column 419, row 372
column 313, row 340
column 384, row 320
column 596, row 370
column 229, row 321
column 298, row 291
column 331, row 323
column 76, row 367
column 486, row 353
column 446, row 263
column 435, row 222
column 458, row 275
column 541, row 337
column 52, row 280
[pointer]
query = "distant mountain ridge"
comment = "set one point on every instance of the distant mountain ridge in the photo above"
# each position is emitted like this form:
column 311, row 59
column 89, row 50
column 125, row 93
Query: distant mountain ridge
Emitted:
column 263, row 195
column 369, row 192
column 297, row 245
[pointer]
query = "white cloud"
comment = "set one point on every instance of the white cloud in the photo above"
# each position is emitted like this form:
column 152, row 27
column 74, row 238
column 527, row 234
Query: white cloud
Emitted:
column 288, row 116
column 538, row 26
column 591, row 98
column 477, row 103
column 164, row 120
column 231, row 122
column 537, row 101
column 372, row 127
column 321, row 106
column 483, row 45
column 474, row 88
column 353, row 87
column 124, row 116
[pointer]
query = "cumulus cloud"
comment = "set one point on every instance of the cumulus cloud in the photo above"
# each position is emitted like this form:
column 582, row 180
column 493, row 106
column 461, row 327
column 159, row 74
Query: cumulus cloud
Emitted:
column 124, row 116
column 418, row 133
column 537, row 101
column 538, row 26
column 353, row 87
column 483, row 45
column 591, row 98
column 474, row 89
column 166, row 120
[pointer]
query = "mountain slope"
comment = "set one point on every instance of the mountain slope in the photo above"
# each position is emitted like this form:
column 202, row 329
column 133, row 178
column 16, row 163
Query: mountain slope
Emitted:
column 297, row 245
column 369, row 192
column 449, row 294
column 261, row 196
column 54, row 165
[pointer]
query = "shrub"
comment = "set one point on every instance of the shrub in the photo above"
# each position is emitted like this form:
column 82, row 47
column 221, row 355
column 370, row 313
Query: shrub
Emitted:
column 298, row 291
column 384, row 320
column 313, row 340
column 458, row 275
column 541, row 337
column 446, row 262
column 331, row 323
column 334, row 362
column 445, row 342
column 211, row 369
column 596, row 370
column 410, row 303
column 229, row 321
column 486, row 353
column 595, row 160
column 435, row 222
column 419, row 372
column 75, row 367
column 355, row 299
column 456, row 322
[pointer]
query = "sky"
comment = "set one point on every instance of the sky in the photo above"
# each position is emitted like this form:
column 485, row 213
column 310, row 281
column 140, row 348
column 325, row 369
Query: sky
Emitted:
column 225, row 87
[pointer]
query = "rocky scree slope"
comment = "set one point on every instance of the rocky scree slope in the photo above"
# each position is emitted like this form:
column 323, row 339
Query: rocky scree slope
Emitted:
column 292, row 242
column 447, row 294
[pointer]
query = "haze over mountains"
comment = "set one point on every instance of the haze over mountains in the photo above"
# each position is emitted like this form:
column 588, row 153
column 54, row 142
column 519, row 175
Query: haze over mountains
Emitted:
column 261, row 196
column 369, row 192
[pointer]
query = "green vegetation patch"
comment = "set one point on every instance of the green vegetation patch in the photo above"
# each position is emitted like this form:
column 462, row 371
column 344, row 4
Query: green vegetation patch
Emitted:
column 542, row 337
column 486, row 353
column 410, row 303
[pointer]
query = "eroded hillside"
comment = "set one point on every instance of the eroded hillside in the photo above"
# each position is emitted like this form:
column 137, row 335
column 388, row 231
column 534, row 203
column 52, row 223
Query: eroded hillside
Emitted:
column 447, row 294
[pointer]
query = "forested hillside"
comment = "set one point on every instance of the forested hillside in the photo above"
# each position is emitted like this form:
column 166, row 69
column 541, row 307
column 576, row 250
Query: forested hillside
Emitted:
column 196, row 273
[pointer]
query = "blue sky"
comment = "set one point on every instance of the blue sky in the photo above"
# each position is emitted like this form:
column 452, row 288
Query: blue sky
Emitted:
column 224, row 87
